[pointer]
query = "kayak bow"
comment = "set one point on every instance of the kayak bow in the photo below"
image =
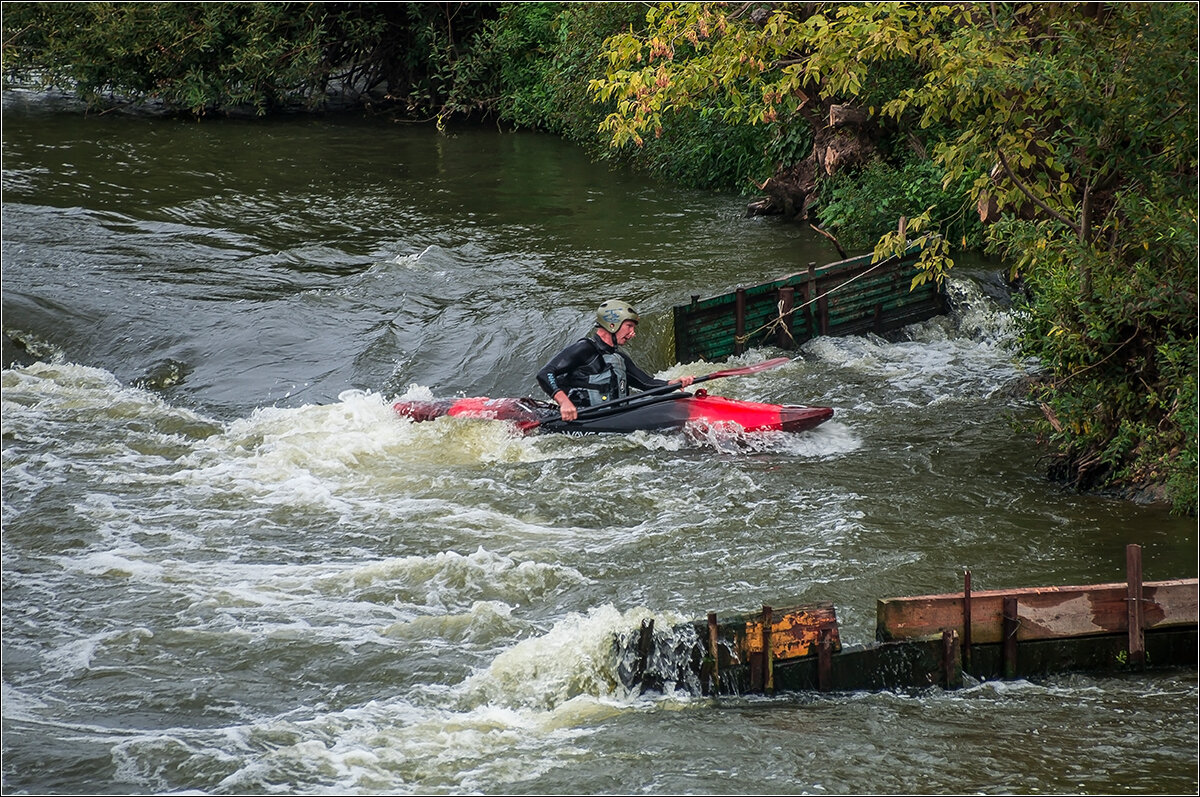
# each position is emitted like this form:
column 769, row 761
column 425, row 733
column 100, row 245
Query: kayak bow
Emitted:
column 656, row 413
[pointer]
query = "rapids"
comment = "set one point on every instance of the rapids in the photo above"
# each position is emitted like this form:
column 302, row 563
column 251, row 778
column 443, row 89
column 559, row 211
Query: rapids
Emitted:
column 229, row 567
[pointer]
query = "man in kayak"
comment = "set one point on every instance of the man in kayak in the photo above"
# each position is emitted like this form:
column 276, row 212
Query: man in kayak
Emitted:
column 593, row 369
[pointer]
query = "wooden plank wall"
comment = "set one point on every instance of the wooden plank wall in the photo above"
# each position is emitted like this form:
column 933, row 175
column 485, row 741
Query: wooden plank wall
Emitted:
column 1042, row 613
column 849, row 297
column 935, row 639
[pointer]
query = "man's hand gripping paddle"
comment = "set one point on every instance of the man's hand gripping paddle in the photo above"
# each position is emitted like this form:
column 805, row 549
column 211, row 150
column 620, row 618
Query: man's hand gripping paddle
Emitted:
column 656, row 394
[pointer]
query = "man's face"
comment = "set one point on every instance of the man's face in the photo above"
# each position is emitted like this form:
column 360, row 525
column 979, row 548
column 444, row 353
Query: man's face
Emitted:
column 626, row 332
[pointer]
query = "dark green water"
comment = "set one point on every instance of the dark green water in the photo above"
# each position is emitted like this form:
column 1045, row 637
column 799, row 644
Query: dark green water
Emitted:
column 229, row 568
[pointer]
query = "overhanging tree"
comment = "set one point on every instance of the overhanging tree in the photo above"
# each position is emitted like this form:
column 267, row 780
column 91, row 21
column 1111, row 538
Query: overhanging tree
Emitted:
column 1075, row 125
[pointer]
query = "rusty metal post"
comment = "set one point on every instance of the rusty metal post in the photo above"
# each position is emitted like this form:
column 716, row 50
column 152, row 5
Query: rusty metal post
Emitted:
column 713, row 651
column 787, row 299
column 739, row 320
column 757, row 661
column 1136, row 608
column 824, row 660
column 1010, row 624
column 951, row 660
column 966, row 634
column 768, row 657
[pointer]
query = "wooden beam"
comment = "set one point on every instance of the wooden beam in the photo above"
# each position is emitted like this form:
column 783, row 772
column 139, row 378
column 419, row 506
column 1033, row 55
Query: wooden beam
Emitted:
column 767, row 647
column 1010, row 625
column 952, row 663
column 1135, row 605
column 794, row 632
column 783, row 335
column 966, row 626
column 739, row 320
column 810, row 298
column 825, row 660
column 1044, row 612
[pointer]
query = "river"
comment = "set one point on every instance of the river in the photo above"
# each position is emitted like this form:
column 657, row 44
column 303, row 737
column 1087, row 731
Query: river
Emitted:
column 230, row 568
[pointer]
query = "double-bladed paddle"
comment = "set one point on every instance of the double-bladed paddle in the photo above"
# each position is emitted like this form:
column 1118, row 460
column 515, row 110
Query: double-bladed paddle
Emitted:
column 655, row 394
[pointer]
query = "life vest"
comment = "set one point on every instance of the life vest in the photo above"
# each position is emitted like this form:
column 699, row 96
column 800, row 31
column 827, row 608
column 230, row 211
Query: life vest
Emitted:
column 610, row 382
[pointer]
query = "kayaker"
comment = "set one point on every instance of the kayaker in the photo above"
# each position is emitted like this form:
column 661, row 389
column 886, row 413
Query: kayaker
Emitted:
column 593, row 369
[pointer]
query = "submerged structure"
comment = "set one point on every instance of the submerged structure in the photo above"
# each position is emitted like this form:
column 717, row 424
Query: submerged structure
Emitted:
column 929, row 640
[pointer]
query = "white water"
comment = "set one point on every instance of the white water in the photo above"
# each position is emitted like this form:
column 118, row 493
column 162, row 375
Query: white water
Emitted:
column 250, row 576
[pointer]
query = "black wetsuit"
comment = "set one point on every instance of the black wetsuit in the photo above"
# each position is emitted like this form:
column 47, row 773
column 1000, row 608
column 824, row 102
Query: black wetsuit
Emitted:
column 591, row 371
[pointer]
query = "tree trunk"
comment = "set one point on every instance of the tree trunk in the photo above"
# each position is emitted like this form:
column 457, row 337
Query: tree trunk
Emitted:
column 842, row 138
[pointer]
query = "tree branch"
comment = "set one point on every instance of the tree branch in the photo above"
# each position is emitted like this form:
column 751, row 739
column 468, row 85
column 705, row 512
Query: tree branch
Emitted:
column 1024, row 190
column 829, row 235
column 745, row 7
column 1137, row 331
column 1085, row 213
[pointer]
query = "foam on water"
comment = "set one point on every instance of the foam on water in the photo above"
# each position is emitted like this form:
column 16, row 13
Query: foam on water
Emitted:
column 432, row 256
column 352, row 459
column 830, row 439
column 961, row 356
column 41, row 397
column 462, row 574
column 385, row 746
column 345, row 599
column 575, row 658
column 520, row 716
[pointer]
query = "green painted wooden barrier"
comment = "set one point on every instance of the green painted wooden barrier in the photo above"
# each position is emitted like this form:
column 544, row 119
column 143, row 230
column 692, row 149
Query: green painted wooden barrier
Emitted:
column 850, row 297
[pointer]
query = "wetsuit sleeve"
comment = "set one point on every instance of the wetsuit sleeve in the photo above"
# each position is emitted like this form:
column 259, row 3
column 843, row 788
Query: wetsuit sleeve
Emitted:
column 639, row 378
column 553, row 376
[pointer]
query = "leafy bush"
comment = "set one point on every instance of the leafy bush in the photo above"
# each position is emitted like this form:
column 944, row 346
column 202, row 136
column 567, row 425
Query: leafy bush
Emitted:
column 545, row 54
column 699, row 150
column 206, row 57
column 860, row 207
column 1116, row 334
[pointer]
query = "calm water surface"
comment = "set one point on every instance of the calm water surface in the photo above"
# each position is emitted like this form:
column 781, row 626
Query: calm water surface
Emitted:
column 229, row 568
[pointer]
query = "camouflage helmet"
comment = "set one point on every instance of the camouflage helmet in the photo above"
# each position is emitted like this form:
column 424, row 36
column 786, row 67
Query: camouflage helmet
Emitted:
column 613, row 313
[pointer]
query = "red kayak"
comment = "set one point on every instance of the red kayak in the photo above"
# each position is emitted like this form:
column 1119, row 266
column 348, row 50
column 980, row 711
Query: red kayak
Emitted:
column 651, row 413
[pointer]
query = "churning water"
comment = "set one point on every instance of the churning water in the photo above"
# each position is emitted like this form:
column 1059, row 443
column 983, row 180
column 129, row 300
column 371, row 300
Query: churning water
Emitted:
column 229, row 567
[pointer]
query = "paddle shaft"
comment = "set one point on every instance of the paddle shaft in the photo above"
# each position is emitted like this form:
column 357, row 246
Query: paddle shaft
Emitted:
column 581, row 423
column 637, row 399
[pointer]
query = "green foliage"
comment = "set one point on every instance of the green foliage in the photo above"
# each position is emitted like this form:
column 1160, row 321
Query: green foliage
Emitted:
column 543, row 54
column 537, row 57
column 1078, row 122
column 701, row 151
column 205, row 57
column 696, row 55
column 429, row 61
column 190, row 56
column 580, row 30
column 1119, row 394
column 862, row 207
column 523, row 40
